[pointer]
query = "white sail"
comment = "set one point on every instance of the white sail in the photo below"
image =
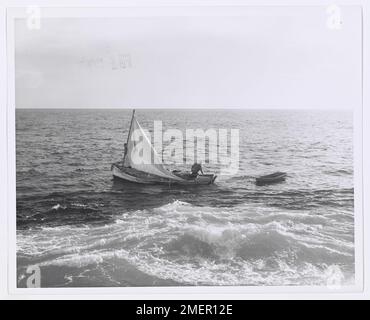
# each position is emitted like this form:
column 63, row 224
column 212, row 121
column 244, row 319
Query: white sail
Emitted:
column 142, row 156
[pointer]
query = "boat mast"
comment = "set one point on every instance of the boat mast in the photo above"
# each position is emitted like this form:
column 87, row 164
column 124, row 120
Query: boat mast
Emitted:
column 129, row 134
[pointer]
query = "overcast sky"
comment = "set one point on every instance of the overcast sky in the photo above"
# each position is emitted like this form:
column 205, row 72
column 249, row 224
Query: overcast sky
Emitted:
column 271, row 58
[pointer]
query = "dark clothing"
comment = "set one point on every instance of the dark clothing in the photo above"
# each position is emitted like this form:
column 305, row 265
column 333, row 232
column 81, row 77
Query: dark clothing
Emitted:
column 195, row 168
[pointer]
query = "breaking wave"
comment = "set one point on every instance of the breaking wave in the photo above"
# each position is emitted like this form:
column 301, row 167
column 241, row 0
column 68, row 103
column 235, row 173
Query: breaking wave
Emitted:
column 193, row 245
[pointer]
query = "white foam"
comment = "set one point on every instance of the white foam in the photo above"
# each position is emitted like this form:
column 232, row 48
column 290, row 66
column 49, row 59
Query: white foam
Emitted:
column 141, row 237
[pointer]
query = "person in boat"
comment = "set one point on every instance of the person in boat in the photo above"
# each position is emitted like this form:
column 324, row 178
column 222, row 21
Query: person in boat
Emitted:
column 195, row 168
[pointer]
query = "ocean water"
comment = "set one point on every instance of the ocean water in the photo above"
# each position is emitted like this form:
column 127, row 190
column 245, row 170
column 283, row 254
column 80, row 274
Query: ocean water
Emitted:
column 84, row 229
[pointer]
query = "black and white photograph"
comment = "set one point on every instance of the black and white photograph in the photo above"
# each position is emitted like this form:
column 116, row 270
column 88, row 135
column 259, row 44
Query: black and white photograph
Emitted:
column 201, row 148
column 285, row 217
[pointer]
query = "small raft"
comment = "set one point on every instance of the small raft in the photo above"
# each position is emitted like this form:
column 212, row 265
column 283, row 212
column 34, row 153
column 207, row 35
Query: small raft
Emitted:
column 271, row 178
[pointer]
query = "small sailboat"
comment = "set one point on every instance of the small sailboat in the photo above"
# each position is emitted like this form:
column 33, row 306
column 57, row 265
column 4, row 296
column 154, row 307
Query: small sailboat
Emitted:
column 150, row 170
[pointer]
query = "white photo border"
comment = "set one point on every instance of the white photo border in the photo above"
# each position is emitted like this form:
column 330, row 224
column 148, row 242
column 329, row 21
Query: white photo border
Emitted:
column 217, row 292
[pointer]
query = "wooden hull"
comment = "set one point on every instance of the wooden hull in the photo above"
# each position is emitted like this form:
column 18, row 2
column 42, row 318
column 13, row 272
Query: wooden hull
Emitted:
column 271, row 178
column 134, row 176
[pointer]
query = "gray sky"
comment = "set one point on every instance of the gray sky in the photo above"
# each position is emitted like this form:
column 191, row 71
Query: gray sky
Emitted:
column 271, row 58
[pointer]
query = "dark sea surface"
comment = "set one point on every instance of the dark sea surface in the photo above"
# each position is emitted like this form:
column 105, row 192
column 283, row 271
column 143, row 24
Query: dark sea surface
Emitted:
column 82, row 228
